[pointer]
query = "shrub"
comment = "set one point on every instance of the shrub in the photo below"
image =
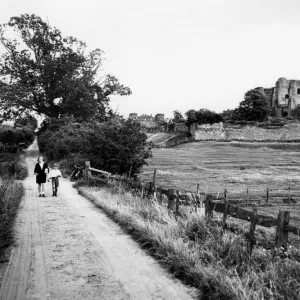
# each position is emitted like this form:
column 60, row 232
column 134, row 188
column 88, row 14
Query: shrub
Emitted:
column 116, row 146
column 10, row 135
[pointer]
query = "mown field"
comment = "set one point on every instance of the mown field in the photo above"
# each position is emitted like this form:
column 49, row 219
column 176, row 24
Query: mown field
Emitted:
column 235, row 166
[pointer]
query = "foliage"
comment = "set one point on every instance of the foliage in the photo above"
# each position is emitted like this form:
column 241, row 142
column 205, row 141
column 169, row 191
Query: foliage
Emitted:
column 177, row 116
column 11, row 193
column 227, row 114
column 45, row 72
column 202, row 116
column 11, row 136
column 116, row 146
column 254, row 107
column 26, row 120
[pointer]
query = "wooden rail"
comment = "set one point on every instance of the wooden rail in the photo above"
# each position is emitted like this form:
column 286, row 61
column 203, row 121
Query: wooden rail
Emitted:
column 281, row 223
column 175, row 199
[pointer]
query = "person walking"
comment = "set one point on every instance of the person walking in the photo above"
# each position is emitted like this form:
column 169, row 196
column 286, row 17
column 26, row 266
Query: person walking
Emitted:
column 54, row 175
column 41, row 170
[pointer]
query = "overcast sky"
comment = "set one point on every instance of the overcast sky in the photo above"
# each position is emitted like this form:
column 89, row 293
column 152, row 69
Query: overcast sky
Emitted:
column 181, row 54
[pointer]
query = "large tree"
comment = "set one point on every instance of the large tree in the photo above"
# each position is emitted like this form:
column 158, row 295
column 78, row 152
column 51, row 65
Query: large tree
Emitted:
column 44, row 72
column 255, row 106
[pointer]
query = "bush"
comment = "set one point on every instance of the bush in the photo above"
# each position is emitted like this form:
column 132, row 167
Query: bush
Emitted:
column 12, row 136
column 116, row 146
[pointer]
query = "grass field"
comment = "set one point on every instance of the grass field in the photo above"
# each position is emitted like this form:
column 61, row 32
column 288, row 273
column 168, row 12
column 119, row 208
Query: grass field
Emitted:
column 236, row 167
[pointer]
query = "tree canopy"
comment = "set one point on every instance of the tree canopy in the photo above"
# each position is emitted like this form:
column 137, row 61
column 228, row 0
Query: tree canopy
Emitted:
column 45, row 72
column 254, row 107
column 202, row 116
column 177, row 116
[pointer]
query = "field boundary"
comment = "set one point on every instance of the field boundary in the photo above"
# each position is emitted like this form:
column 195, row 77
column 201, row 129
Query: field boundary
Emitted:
column 195, row 201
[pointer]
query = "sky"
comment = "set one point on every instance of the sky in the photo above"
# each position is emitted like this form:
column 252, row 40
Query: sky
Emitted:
column 180, row 54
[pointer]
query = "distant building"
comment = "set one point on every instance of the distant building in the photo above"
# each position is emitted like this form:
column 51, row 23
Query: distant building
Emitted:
column 148, row 121
column 284, row 97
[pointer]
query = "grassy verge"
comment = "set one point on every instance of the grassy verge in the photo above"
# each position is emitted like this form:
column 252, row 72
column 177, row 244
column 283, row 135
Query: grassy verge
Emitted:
column 200, row 253
column 11, row 193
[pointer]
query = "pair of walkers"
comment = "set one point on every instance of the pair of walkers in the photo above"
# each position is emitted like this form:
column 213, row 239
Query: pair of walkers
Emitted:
column 41, row 171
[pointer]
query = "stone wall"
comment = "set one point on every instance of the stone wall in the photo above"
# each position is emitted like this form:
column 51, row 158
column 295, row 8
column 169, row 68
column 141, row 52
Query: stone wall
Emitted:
column 208, row 132
column 287, row 132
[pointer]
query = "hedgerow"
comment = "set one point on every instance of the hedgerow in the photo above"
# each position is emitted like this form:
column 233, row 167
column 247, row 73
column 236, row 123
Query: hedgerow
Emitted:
column 116, row 146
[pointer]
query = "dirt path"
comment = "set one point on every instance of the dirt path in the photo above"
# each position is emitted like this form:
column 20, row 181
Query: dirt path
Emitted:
column 68, row 249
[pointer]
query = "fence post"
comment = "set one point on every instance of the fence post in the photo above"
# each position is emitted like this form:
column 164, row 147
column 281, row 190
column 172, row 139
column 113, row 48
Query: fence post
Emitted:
column 289, row 194
column 130, row 170
column 88, row 173
column 208, row 206
column 154, row 177
column 150, row 188
column 177, row 205
column 160, row 197
column 225, row 194
column 155, row 193
column 267, row 199
column 142, row 193
column 225, row 214
column 247, row 196
column 171, row 199
column 281, row 238
column 251, row 237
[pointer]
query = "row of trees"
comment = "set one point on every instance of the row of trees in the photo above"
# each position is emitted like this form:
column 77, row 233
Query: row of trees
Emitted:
column 254, row 107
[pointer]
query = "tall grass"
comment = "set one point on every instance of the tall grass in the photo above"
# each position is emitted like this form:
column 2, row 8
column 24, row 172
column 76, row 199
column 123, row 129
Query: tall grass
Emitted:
column 199, row 252
column 11, row 193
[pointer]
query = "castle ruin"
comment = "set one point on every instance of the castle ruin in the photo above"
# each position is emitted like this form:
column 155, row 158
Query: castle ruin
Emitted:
column 148, row 121
column 284, row 97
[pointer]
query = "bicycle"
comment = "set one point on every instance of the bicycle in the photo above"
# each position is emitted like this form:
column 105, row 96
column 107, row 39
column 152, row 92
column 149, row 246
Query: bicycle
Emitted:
column 77, row 173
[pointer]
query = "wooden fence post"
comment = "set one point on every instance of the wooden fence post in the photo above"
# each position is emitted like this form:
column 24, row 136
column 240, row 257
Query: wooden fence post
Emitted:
column 225, row 194
column 130, row 170
column 289, row 198
column 225, row 214
column 177, row 205
column 142, row 192
column 171, row 199
column 247, row 196
column 281, row 238
column 150, row 189
column 155, row 193
column 88, row 173
column 208, row 206
column 154, row 177
column 251, row 237
column 198, row 188
column 267, row 199
column 160, row 197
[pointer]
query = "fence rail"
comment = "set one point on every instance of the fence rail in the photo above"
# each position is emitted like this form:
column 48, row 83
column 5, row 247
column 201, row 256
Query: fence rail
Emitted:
column 195, row 200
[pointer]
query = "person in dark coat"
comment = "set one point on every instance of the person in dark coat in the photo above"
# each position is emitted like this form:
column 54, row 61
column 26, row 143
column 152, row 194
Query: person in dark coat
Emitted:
column 41, row 170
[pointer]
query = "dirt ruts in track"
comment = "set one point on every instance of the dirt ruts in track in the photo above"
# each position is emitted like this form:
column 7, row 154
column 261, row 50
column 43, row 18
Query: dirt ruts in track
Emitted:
column 68, row 249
